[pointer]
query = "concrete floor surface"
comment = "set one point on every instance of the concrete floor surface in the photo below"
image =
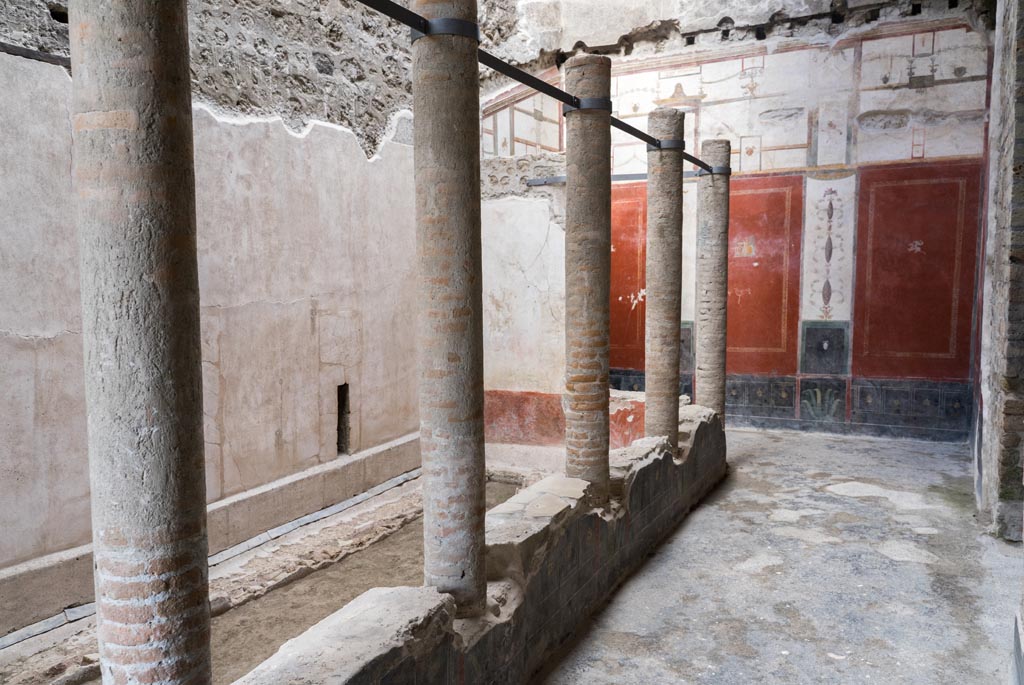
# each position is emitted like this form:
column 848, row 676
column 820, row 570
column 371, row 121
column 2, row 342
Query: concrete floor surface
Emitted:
column 821, row 559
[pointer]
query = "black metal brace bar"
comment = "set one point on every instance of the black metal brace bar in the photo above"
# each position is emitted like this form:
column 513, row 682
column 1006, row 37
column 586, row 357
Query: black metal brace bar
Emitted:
column 502, row 67
column 699, row 162
column 635, row 132
column 421, row 25
column 36, row 55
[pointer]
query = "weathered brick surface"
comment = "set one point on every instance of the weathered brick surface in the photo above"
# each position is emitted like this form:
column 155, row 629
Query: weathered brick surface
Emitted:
column 450, row 327
column 135, row 209
column 1001, row 369
column 712, row 278
column 587, row 275
column 152, row 606
column 664, row 276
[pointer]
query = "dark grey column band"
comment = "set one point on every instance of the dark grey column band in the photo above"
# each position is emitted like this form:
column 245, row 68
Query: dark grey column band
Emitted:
column 604, row 104
column 667, row 144
column 448, row 27
column 720, row 170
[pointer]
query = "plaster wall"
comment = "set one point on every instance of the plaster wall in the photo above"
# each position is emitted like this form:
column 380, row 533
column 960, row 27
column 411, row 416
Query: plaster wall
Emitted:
column 303, row 241
column 524, row 291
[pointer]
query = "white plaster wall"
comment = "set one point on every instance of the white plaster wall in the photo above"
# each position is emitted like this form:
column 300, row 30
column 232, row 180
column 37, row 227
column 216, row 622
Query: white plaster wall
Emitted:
column 524, row 295
column 307, row 269
column 44, row 487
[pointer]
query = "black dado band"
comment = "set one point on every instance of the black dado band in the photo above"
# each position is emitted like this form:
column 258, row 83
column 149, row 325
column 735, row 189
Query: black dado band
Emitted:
column 667, row 144
column 448, row 27
column 604, row 104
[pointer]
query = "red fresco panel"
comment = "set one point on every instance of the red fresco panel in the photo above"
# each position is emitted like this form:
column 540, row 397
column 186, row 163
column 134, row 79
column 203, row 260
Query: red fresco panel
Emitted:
column 629, row 252
column 917, row 242
column 765, row 221
column 536, row 418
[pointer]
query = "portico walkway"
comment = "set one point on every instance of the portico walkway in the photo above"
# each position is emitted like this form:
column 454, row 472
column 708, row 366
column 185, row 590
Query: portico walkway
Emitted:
column 820, row 560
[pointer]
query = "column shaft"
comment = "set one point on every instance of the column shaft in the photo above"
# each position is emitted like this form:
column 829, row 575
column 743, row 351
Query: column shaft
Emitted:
column 664, row 277
column 587, row 274
column 712, row 278
column 135, row 210
column 446, row 130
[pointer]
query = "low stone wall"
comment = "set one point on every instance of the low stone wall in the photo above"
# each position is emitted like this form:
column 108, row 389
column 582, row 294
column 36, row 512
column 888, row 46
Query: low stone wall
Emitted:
column 552, row 559
column 37, row 591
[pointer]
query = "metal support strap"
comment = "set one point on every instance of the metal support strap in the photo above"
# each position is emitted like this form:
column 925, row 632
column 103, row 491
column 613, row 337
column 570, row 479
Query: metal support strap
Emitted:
column 667, row 144
column 601, row 104
column 457, row 27
column 716, row 170
column 447, row 27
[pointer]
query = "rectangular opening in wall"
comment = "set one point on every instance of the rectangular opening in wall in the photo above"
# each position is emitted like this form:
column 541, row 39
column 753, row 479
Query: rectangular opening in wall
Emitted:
column 343, row 419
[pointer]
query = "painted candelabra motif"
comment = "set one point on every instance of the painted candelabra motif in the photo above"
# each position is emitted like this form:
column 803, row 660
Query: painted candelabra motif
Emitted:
column 828, row 205
column 827, row 265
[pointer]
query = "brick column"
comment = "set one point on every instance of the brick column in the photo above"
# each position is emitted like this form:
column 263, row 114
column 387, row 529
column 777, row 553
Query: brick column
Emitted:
column 587, row 274
column 446, row 130
column 712, row 277
column 664, row 276
column 135, row 210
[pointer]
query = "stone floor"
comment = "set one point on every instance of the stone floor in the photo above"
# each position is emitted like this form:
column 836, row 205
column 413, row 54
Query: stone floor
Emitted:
column 820, row 560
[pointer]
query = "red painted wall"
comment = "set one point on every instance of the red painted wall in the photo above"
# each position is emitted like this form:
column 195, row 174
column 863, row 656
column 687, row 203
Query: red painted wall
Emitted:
column 629, row 252
column 765, row 223
column 536, row 418
column 917, row 240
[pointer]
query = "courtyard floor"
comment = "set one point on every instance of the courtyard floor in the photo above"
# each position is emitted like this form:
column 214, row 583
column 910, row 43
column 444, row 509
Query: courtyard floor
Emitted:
column 821, row 559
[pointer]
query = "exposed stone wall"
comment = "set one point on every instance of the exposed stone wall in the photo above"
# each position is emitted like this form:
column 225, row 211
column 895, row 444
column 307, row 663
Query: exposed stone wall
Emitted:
column 305, row 61
column 998, row 462
column 32, row 24
column 338, row 61
column 552, row 560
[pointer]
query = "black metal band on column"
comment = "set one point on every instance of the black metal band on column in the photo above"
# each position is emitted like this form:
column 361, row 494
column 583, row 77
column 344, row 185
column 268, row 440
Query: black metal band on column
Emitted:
column 667, row 144
column 601, row 104
column 716, row 170
column 447, row 27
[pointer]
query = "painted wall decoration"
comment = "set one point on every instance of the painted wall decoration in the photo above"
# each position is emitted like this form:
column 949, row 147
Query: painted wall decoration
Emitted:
column 917, row 243
column 765, row 219
column 829, row 221
column 841, row 309
column 628, row 293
